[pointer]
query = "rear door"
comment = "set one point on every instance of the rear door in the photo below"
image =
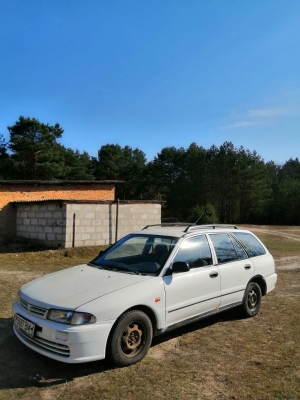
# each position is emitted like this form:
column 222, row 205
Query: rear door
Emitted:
column 236, row 268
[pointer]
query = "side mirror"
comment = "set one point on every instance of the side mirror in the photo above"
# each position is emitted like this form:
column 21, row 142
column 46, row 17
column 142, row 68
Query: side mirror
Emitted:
column 179, row 266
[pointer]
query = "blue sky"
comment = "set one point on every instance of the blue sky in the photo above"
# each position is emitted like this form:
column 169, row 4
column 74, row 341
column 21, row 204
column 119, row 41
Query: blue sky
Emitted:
column 152, row 74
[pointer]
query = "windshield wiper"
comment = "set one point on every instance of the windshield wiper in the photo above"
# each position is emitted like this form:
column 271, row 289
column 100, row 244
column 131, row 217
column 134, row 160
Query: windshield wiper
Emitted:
column 123, row 268
column 92, row 264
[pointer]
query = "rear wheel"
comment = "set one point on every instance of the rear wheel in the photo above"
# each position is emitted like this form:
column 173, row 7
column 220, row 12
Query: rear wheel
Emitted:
column 131, row 338
column 252, row 300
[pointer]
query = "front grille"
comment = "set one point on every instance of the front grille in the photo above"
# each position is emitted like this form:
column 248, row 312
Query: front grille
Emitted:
column 52, row 347
column 31, row 309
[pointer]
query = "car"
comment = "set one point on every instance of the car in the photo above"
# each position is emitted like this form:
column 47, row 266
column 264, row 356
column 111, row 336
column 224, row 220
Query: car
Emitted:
column 147, row 283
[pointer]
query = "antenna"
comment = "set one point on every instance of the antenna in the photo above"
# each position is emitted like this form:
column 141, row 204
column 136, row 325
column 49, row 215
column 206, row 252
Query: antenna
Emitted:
column 204, row 211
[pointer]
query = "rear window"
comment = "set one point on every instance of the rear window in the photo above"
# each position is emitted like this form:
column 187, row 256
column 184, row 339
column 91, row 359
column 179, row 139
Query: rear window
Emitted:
column 251, row 244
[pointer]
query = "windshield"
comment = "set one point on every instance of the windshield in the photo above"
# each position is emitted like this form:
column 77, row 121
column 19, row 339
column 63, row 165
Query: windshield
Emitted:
column 141, row 254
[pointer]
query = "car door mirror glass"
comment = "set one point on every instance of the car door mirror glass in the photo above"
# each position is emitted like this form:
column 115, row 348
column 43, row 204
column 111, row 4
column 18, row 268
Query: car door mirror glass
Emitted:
column 180, row 266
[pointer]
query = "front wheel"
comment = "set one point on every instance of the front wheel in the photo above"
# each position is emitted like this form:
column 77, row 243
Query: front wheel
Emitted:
column 131, row 338
column 252, row 300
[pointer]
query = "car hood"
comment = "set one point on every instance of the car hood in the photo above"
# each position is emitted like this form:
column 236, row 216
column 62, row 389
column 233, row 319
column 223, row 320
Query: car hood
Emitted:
column 76, row 286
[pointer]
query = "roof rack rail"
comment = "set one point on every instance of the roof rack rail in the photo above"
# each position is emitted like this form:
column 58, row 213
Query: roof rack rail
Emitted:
column 169, row 224
column 213, row 226
column 191, row 227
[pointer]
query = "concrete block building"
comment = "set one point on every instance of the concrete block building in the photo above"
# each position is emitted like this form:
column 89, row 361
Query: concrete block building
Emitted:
column 70, row 213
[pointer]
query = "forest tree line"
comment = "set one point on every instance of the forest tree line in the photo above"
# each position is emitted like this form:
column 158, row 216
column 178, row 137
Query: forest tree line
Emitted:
column 221, row 184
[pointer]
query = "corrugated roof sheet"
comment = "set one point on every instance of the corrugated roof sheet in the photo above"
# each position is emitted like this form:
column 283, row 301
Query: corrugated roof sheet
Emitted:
column 40, row 182
column 68, row 201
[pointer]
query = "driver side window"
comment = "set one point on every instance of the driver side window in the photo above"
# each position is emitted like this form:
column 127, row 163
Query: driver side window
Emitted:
column 195, row 251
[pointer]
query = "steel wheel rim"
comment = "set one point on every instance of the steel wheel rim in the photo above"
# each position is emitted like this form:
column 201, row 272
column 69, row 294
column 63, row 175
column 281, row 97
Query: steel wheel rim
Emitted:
column 252, row 299
column 133, row 339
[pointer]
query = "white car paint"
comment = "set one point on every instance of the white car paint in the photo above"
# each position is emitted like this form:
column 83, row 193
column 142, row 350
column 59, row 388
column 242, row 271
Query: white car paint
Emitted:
column 195, row 287
column 75, row 286
column 169, row 298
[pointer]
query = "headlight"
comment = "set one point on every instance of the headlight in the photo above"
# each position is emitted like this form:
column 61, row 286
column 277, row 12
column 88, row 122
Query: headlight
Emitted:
column 62, row 316
column 82, row 318
column 71, row 317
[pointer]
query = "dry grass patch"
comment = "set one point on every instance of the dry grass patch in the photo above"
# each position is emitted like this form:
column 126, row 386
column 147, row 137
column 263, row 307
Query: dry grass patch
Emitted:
column 223, row 357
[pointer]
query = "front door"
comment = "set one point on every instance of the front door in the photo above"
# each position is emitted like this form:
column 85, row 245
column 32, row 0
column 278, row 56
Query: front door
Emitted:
column 197, row 291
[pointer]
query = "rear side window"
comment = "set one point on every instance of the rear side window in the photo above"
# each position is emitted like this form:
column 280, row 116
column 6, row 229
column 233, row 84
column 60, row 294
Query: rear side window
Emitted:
column 224, row 249
column 251, row 244
column 240, row 251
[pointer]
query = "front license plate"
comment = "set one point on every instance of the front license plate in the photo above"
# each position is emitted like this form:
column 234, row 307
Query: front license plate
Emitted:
column 24, row 325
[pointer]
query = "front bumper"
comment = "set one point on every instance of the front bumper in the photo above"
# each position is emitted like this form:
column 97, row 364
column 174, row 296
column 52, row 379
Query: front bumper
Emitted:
column 66, row 343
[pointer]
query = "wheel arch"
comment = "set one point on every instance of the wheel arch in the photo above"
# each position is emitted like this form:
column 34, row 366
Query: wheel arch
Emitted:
column 147, row 310
column 261, row 283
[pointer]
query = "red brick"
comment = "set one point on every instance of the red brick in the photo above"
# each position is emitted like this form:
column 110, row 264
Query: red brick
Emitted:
column 19, row 191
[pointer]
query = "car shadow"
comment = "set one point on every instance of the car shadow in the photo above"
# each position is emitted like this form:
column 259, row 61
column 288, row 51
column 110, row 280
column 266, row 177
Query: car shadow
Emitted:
column 21, row 367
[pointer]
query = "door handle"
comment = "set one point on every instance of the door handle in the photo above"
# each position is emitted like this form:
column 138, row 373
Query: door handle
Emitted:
column 247, row 266
column 213, row 274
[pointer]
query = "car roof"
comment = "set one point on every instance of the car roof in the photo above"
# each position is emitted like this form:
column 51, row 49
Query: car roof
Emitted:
column 179, row 230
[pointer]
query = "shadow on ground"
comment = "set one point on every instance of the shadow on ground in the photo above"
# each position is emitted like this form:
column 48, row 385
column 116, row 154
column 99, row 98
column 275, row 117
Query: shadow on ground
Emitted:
column 21, row 367
column 21, row 248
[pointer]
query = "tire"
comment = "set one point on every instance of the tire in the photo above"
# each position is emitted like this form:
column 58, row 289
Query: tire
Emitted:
column 131, row 338
column 252, row 300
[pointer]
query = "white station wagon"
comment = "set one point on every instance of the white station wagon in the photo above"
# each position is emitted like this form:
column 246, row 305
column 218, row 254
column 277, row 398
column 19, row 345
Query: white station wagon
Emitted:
column 147, row 283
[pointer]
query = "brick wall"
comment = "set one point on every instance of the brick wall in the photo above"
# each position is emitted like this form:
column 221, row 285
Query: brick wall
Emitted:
column 43, row 222
column 64, row 224
column 95, row 224
column 11, row 191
